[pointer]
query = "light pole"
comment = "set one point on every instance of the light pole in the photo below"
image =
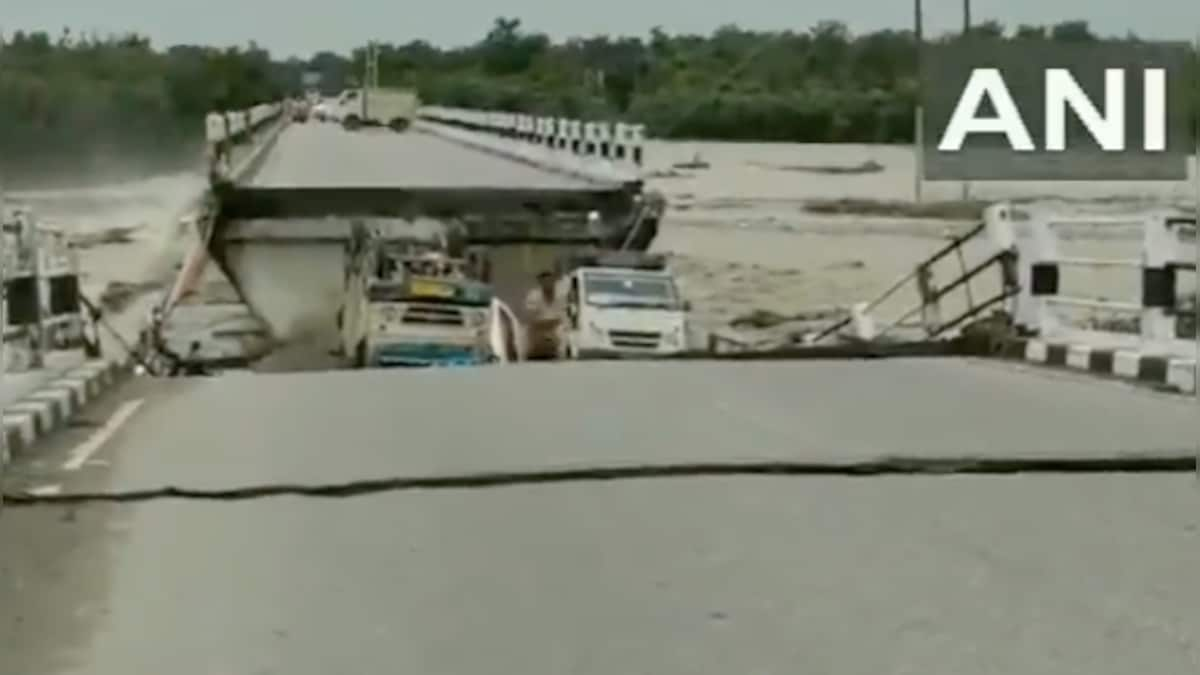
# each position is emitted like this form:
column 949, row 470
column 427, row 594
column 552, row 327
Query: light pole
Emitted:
column 919, row 117
column 3, row 310
column 39, row 347
column 1196, row 208
column 370, row 74
column 966, row 184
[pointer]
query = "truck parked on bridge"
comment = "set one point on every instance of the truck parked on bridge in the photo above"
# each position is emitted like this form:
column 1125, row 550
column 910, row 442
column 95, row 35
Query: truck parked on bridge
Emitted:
column 408, row 303
column 376, row 106
column 623, row 305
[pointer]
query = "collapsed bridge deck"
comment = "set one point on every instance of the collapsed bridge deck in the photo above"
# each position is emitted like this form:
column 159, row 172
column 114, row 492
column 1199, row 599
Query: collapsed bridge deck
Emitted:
column 277, row 236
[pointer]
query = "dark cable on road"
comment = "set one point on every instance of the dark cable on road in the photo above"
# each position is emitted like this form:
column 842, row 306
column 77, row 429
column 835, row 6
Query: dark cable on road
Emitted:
column 1173, row 462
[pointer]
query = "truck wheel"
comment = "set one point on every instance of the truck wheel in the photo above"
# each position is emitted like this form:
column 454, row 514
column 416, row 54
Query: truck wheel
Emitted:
column 352, row 123
column 399, row 125
column 360, row 355
column 340, row 313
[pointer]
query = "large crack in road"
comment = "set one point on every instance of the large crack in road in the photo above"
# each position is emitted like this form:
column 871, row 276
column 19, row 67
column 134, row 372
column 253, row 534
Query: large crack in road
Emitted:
column 1181, row 461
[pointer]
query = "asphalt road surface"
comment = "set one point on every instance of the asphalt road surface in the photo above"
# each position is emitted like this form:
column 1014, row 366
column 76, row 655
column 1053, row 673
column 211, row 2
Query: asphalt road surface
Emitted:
column 319, row 154
column 1087, row 574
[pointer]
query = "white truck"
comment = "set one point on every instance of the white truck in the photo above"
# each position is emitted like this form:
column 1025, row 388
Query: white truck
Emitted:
column 623, row 305
column 376, row 106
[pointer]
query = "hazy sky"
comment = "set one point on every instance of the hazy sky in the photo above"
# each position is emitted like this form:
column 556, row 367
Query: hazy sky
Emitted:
column 300, row 27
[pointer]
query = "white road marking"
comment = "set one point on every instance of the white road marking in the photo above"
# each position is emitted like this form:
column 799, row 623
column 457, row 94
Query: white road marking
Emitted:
column 84, row 451
column 46, row 490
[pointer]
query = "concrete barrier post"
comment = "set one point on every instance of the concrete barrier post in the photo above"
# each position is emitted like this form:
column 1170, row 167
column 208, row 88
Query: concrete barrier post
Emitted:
column 575, row 136
column 602, row 138
column 1044, row 270
column 590, row 142
column 637, row 140
column 1028, row 306
column 1160, row 255
column 619, row 151
column 562, row 134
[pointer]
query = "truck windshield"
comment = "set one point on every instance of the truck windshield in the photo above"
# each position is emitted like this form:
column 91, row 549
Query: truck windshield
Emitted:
column 611, row 290
column 429, row 293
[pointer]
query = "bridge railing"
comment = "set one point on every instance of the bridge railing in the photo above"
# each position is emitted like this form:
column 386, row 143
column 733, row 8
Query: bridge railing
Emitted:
column 1166, row 245
column 238, row 125
column 225, row 130
column 600, row 148
column 1028, row 246
column 40, row 271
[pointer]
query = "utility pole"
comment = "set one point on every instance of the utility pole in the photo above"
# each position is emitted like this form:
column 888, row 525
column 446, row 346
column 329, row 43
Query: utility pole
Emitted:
column 966, row 184
column 1196, row 289
column 919, row 117
column 4, row 253
column 370, row 74
column 38, row 359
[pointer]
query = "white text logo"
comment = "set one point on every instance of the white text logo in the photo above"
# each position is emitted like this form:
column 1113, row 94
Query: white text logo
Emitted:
column 1062, row 91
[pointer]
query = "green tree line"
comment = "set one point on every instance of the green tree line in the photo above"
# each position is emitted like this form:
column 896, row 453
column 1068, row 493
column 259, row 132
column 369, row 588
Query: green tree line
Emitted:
column 87, row 105
column 75, row 100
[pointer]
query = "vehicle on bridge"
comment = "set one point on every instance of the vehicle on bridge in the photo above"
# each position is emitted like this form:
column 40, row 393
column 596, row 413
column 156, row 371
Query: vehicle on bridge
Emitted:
column 410, row 304
column 623, row 305
column 322, row 111
column 301, row 111
column 282, row 247
column 377, row 106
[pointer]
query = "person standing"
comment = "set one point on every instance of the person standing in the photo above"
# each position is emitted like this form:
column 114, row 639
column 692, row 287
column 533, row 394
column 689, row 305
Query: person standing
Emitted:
column 546, row 312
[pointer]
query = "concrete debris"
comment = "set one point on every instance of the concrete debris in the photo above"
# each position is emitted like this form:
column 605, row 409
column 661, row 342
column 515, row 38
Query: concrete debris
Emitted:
column 668, row 173
column 118, row 295
column 107, row 236
column 695, row 163
column 847, row 265
column 869, row 166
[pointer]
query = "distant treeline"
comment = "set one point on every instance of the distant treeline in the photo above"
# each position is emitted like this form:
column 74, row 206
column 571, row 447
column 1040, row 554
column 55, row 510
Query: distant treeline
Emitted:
column 74, row 100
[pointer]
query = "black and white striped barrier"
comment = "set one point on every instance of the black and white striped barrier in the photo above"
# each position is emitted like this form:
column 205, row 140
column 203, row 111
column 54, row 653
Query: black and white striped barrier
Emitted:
column 1168, row 242
column 55, row 405
column 612, row 151
column 1157, row 352
column 41, row 277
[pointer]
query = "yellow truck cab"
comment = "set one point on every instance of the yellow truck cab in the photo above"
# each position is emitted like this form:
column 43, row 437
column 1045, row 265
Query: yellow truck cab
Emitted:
column 412, row 306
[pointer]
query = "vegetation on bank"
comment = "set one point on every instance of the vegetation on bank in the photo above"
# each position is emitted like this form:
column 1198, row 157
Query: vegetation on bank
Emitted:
column 71, row 101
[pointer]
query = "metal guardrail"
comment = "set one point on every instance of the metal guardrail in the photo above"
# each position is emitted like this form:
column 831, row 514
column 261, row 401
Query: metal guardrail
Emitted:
column 236, row 124
column 615, row 150
column 1168, row 241
column 1024, row 244
column 39, row 268
column 226, row 129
